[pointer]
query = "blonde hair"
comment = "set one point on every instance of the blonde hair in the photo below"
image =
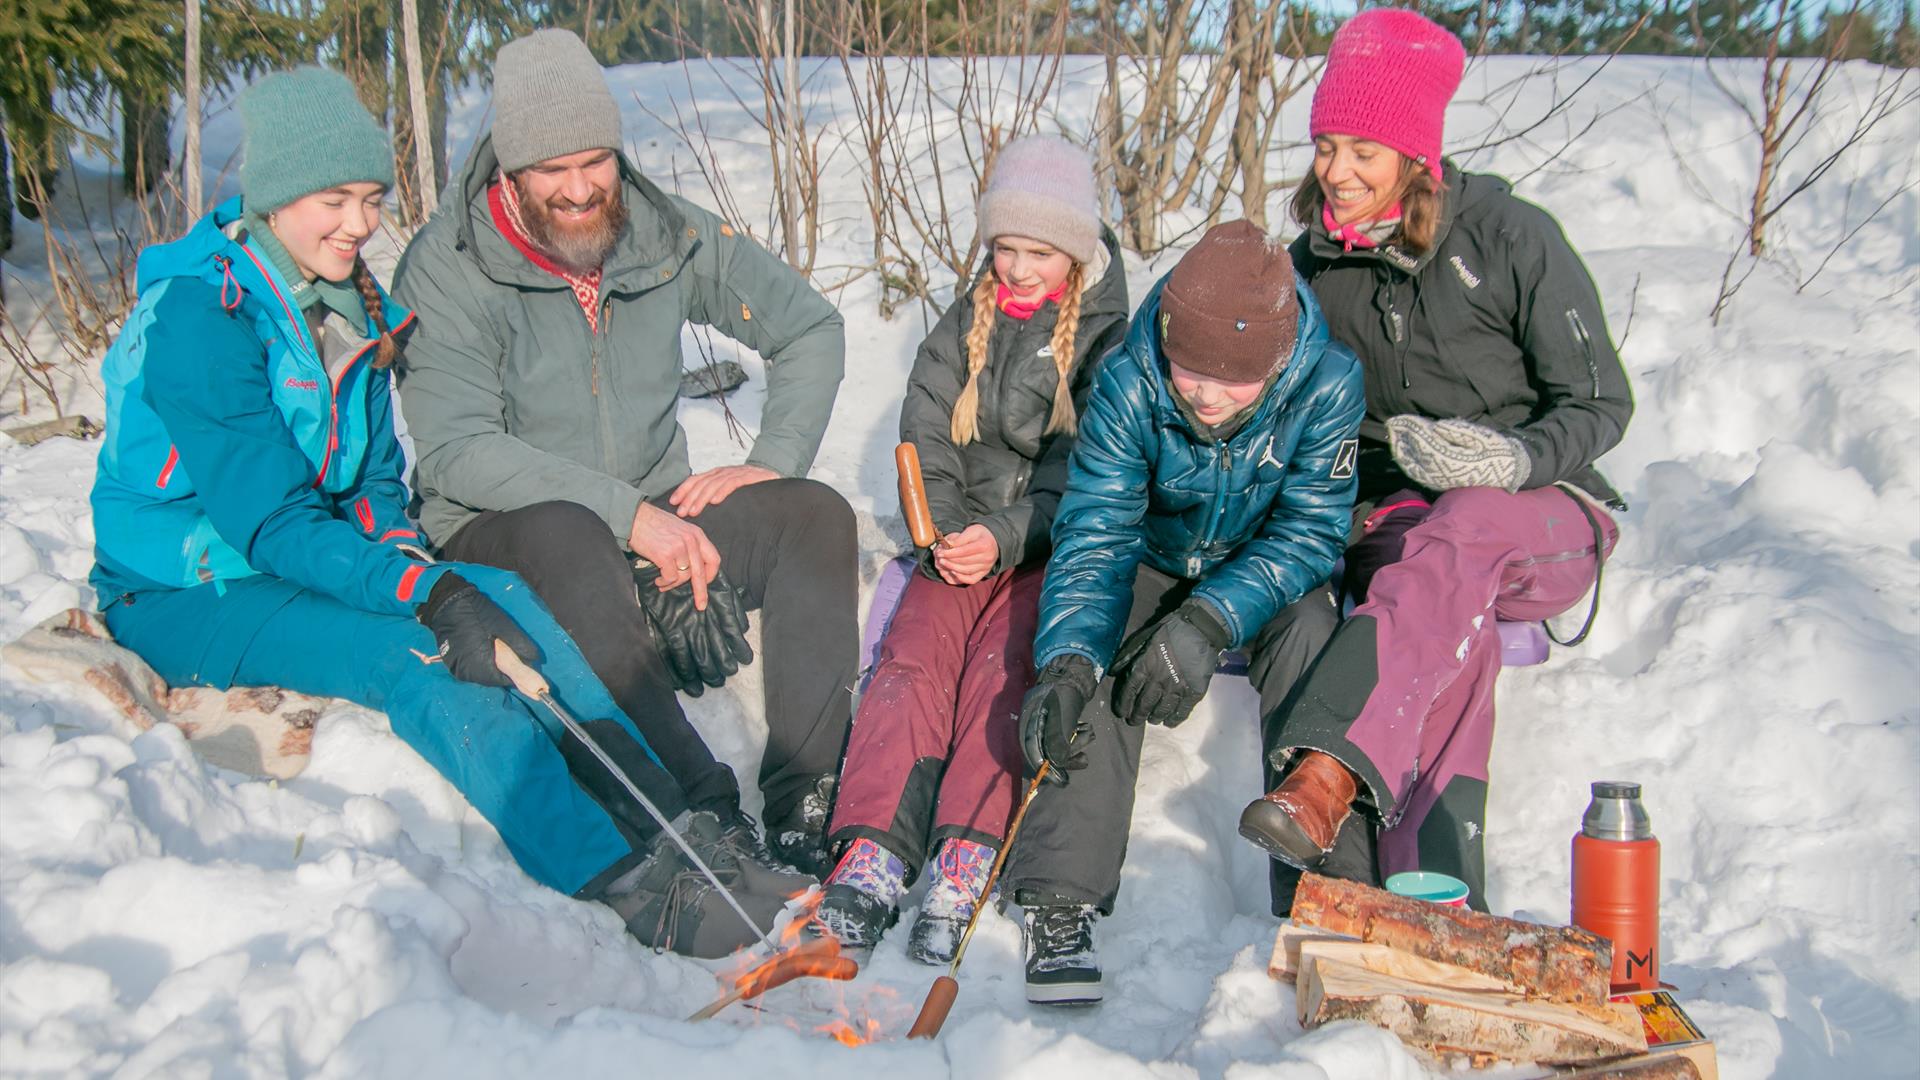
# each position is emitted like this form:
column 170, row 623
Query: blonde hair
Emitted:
column 966, row 410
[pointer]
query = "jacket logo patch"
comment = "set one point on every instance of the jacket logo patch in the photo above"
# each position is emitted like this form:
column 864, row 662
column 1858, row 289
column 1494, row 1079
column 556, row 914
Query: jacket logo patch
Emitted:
column 1472, row 280
column 1344, row 458
column 1045, row 351
column 301, row 384
column 1267, row 458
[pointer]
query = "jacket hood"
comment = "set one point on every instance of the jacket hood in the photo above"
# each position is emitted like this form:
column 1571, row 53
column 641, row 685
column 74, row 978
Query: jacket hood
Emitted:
column 655, row 232
column 214, row 251
column 1143, row 340
column 1465, row 196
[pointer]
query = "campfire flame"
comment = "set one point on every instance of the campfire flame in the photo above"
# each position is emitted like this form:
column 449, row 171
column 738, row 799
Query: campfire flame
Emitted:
column 843, row 1033
column 801, row 957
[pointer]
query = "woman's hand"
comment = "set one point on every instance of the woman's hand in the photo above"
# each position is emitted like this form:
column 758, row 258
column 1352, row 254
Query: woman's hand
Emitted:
column 967, row 556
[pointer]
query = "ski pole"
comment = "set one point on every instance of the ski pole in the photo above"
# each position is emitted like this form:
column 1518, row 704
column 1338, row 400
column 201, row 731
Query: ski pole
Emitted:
column 532, row 684
column 939, row 1002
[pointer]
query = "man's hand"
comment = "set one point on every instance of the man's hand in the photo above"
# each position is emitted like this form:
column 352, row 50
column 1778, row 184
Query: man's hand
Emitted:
column 1162, row 672
column 680, row 549
column 1050, row 726
column 966, row 556
column 703, row 489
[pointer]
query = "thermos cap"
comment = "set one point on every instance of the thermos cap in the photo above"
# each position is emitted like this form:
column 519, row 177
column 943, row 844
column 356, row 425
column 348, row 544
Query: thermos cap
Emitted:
column 1615, row 812
column 1615, row 789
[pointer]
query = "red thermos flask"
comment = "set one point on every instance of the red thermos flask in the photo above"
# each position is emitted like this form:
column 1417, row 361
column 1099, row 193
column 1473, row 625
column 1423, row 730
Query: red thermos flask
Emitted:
column 1616, row 882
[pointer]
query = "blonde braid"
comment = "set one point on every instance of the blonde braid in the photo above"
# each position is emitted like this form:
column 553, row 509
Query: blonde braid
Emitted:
column 389, row 350
column 966, row 409
column 1063, row 419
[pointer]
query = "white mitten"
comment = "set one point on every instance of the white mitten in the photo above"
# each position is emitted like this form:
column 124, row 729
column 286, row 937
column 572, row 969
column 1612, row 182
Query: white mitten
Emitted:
column 1446, row 454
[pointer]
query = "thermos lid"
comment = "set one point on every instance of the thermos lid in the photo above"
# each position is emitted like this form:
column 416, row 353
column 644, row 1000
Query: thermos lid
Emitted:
column 1615, row 812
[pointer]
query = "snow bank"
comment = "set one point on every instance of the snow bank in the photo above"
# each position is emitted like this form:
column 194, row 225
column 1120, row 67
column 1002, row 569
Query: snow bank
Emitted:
column 1754, row 666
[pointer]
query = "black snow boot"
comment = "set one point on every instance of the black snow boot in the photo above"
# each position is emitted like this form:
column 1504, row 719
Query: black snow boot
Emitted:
column 853, row 918
column 668, row 904
column 1062, row 967
column 800, row 837
column 739, row 839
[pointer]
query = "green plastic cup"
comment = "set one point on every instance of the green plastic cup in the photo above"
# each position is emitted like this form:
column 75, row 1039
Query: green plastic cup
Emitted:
column 1442, row 889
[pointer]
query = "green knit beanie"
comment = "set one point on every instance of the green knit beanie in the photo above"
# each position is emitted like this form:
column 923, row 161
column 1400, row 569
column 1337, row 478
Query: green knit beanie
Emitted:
column 306, row 131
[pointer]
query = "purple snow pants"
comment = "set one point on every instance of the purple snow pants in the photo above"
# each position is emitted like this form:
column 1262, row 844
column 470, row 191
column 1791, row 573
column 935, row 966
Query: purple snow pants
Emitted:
column 935, row 749
column 1403, row 693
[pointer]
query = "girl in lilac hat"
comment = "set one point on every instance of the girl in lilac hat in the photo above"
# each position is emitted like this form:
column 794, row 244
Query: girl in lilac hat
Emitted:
column 1492, row 387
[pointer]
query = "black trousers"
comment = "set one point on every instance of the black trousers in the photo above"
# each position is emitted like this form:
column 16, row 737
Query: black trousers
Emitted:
column 788, row 545
column 1074, row 839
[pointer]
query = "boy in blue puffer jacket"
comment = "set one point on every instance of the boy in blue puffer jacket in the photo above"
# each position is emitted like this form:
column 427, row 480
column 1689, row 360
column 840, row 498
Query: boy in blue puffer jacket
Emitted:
column 251, row 529
column 1209, row 497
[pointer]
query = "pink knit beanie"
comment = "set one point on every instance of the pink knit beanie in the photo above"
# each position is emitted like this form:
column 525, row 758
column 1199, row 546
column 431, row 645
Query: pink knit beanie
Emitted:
column 1388, row 78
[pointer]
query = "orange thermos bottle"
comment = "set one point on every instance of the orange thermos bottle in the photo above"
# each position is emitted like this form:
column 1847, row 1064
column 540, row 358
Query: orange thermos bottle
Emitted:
column 1616, row 882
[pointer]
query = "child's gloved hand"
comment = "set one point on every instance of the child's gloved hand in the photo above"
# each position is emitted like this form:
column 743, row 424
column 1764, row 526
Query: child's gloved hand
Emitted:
column 1162, row 672
column 1050, row 725
column 1454, row 453
column 465, row 624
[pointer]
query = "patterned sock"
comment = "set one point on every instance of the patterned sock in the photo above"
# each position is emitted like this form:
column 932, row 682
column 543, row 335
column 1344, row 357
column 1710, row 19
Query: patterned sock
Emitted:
column 873, row 870
column 959, row 877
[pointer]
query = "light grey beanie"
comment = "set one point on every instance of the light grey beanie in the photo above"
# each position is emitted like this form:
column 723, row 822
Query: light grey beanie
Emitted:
column 550, row 99
column 1042, row 188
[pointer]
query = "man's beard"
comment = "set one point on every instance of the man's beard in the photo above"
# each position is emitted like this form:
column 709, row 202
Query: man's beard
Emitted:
column 577, row 247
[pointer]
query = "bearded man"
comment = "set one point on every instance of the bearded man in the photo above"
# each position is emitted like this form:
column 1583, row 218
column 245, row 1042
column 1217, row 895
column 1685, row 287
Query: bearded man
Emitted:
column 540, row 391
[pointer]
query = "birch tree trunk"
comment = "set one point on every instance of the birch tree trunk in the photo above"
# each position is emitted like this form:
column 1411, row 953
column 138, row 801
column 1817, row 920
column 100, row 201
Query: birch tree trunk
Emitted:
column 417, row 100
column 190, row 165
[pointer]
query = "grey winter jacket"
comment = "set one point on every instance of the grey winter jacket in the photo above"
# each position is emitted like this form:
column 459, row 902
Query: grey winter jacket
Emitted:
column 1009, row 478
column 1499, row 324
column 511, row 399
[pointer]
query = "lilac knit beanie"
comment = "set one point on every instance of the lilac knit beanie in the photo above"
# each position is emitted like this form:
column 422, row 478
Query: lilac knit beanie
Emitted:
column 1042, row 188
column 1388, row 78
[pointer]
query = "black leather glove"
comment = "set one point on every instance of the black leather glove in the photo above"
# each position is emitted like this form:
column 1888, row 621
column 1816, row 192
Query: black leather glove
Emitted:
column 1050, row 717
column 701, row 648
column 1162, row 672
column 465, row 624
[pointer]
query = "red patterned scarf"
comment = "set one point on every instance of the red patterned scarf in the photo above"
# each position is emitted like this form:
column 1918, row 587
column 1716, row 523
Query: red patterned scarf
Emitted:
column 504, row 201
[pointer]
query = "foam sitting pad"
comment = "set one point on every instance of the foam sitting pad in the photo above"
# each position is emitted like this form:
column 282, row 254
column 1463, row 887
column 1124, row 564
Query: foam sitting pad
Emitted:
column 886, row 600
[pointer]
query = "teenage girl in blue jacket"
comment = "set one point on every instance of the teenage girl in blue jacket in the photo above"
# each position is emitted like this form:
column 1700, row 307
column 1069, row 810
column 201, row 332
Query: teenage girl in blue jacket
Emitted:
column 250, row 512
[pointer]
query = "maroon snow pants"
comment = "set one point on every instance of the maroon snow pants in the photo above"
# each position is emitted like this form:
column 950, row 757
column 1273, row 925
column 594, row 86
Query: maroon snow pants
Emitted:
column 1403, row 693
column 935, row 749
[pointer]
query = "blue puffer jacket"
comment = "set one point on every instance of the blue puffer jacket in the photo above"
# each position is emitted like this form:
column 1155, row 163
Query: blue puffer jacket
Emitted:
column 1258, row 519
column 230, row 450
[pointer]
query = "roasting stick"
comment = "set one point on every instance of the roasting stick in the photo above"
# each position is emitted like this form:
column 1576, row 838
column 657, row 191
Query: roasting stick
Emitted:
column 933, row 1011
column 819, row 958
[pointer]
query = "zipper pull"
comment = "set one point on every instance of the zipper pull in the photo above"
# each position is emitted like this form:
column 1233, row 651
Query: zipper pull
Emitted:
column 1399, row 326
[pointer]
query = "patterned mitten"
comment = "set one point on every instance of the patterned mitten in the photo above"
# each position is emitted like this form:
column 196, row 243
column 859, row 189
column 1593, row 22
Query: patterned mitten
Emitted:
column 1447, row 454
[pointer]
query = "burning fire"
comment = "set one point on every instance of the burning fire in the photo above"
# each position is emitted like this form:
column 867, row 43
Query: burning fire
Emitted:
column 843, row 1033
column 801, row 958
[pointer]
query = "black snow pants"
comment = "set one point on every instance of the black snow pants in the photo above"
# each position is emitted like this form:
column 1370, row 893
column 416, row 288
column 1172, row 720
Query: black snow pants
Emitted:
column 788, row 545
column 1074, row 839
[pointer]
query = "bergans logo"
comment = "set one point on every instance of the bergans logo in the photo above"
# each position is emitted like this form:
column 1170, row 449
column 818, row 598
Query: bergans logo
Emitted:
column 1466, row 275
column 301, row 384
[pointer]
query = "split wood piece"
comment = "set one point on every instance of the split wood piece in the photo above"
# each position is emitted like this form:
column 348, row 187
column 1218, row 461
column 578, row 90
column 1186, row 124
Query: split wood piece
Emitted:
column 1391, row 963
column 1560, row 963
column 1284, row 964
column 1443, row 1020
column 1670, row 1066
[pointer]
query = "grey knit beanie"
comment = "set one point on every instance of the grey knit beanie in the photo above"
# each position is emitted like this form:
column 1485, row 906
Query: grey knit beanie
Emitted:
column 550, row 99
column 305, row 131
column 1042, row 188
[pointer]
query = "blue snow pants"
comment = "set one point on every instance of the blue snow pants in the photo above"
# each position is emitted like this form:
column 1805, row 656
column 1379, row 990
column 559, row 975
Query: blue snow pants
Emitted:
column 501, row 750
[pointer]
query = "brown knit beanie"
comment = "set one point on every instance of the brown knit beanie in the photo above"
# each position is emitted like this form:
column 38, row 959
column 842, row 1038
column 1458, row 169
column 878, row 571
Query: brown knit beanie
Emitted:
column 1228, row 310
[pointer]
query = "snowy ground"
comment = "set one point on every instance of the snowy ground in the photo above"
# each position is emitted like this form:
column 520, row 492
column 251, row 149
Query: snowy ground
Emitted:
column 1754, row 666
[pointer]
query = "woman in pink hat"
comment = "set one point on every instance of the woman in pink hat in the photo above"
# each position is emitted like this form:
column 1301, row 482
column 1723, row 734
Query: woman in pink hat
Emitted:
column 1491, row 389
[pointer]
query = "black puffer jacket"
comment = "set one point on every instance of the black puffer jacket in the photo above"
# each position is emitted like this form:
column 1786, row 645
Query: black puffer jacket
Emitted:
column 1009, row 478
column 1498, row 324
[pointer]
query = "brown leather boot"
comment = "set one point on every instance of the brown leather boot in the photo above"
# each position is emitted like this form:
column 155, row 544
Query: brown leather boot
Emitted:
column 1298, row 821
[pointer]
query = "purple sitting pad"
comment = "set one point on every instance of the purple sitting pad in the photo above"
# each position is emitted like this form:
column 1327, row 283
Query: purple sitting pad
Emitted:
column 886, row 600
column 1522, row 644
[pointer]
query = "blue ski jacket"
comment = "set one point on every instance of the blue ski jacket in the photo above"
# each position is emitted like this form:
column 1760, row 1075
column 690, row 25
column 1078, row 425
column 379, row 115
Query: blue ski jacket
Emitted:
column 232, row 450
column 1257, row 519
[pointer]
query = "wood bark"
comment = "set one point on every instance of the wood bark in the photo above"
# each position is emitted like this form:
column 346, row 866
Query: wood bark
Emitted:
column 1444, row 1020
column 428, row 192
column 190, row 153
column 1559, row 963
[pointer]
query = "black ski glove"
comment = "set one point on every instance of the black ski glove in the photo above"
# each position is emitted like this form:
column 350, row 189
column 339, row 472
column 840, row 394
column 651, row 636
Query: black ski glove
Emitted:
column 701, row 648
column 465, row 623
column 1162, row 672
column 1050, row 723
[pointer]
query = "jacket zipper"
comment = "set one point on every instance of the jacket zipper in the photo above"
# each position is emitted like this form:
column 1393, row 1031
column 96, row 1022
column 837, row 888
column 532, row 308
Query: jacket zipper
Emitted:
column 608, row 457
column 1586, row 343
column 1219, row 508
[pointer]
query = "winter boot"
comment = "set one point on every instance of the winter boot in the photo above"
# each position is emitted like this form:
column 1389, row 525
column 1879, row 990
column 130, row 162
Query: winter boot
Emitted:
column 799, row 838
column 1298, row 821
column 1062, row 967
column 739, row 838
column 668, row 904
column 959, row 877
column 862, row 896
